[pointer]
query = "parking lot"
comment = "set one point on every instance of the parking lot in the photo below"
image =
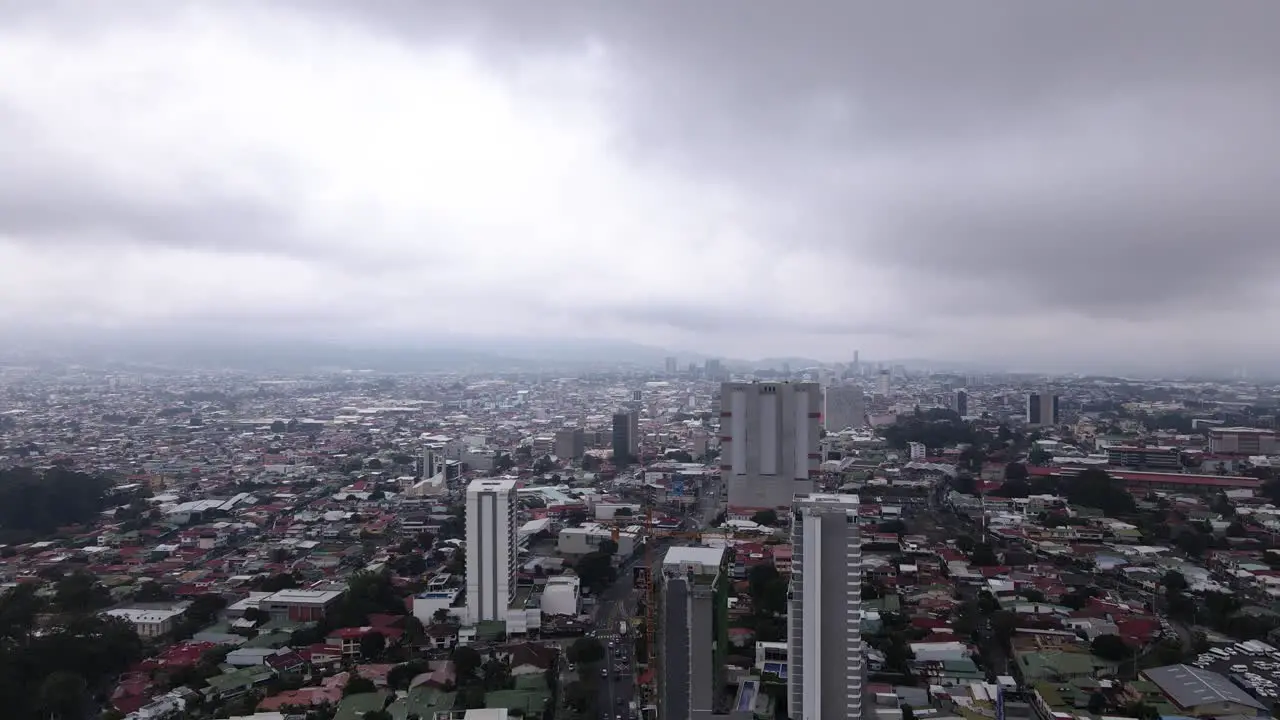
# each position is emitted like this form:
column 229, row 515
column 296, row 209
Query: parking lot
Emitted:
column 1255, row 666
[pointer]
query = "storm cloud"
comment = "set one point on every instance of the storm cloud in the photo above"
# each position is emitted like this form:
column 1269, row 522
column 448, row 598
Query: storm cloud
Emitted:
column 1026, row 183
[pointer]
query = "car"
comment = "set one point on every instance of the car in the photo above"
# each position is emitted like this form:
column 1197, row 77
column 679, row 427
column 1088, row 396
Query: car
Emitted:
column 604, row 672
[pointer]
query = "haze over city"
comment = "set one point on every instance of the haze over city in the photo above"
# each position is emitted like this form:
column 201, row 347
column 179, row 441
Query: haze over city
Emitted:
column 1054, row 186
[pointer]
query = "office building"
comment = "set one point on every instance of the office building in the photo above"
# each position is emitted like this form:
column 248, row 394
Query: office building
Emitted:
column 1042, row 409
column 637, row 396
column 844, row 407
column 715, row 370
column 825, row 672
column 570, row 443
column 884, row 383
column 768, row 442
column 626, row 437
column 671, row 366
column 693, row 633
column 491, row 548
column 1243, row 441
column 960, row 403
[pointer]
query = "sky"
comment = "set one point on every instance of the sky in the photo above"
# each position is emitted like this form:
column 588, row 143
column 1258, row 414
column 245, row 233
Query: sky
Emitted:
column 1041, row 184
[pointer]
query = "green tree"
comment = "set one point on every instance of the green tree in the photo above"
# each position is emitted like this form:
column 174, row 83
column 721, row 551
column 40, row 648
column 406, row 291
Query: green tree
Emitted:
column 372, row 645
column 466, row 662
column 1015, row 471
column 1110, row 647
column 585, row 651
column 63, row 694
column 766, row 517
column 358, row 685
column 768, row 590
column 908, row 713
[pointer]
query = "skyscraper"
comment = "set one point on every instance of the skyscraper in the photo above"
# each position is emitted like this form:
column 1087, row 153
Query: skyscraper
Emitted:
column 491, row 548
column 843, row 408
column 883, row 383
column 570, row 443
column 626, row 437
column 671, row 366
column 1042, row 409
column 825, row 673
column 693, row 633
column 961, row 402
column 769, row 442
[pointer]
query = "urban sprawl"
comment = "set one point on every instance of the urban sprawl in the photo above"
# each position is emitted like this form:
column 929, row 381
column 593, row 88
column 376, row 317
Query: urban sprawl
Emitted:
column 687, row 542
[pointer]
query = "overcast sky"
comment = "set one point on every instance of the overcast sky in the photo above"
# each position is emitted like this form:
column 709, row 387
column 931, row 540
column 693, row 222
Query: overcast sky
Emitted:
column 1031, row 182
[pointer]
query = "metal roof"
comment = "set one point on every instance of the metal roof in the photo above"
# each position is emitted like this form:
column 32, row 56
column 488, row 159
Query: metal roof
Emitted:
column 1190, row 687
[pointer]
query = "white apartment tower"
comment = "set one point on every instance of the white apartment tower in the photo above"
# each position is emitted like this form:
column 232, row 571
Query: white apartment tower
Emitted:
column 844, row 408
column 491, row 548
column 768, row 442
column 825, row 673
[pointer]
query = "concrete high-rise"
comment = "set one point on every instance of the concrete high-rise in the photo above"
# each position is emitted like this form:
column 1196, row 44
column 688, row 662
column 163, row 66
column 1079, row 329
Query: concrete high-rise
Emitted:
column 570, row 444
column 693, row 634
column 768, row 442
column 825, row 670
column 961, row 403
column 884, row 383
column 670, row 366
column 845, row 407
column 491, row 548
column 626, row 437
column 1042, row 409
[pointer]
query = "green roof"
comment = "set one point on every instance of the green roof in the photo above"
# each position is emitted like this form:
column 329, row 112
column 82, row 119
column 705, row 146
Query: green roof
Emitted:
column 353, row 707
column 424, row 701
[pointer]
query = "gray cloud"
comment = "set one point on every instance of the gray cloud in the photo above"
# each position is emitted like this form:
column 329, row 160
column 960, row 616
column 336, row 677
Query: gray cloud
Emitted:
column 1111, row 161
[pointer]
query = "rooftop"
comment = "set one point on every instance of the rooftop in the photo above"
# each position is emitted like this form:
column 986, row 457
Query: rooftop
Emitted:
column 1189, row 687
column 492, row 485
column 707, row 559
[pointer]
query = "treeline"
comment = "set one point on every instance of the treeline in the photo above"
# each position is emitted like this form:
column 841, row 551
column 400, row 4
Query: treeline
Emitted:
column 33, row 504
column 934, row 428
column 56, row 672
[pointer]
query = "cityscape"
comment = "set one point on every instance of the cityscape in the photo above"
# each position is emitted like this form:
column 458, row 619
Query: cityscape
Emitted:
column 844, row 540
column 662, row 360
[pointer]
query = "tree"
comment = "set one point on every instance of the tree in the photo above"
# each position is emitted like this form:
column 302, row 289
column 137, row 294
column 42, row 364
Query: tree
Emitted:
column 1174, row 581
column 373, row 464
column 895, row 527
column 399, row 677
column 908, row 713
column 1039, row 456
column 1015, row 471
column 63, row 693
column 1237, row 530
column 766, row 517
column 585, row 651
column 150, row 591
column 983, row 556
column 358, row 685
column 1110, row 647
column 768, row 590
column 378, row 715
column 623, row 512
column 80, row 592
column 372, row 645
column 1014, row 489
column 440, row 616
column 595, row 570
column 466, row 661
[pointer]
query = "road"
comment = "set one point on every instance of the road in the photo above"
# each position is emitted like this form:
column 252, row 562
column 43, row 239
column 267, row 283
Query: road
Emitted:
column 617, row 683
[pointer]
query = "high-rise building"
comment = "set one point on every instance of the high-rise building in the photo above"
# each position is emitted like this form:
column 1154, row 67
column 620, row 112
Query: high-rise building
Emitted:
column 637, row 396
column 715, row 370
column 961, row 403
column 825, row 672
column 491, row 548
column 626, row 437
column 671, row 366
column 768, row 442
column 884, row 386
column 570, row 444
column 844, row 407
column 693, row 633
column 1042, row 409
column 857, row 366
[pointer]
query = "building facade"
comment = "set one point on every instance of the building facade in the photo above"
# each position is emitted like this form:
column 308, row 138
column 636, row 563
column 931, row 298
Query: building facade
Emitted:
column 769, row 437
column 626, row 437
column 1243, row 441
column 1042, row 409
column 570, row 444
column 491, row 548
column 693, row 634
column 844, row 408
column 825, row 675
column 960, row 403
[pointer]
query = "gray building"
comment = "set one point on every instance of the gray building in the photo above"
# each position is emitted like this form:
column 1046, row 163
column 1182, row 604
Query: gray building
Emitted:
column 570, row 443
column 1042, row 409
column 693, row 635
column 825, row 670
column 626, row 437
column 769, row 442
column 845, row 407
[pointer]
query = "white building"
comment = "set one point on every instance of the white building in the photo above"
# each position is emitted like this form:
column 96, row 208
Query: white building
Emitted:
column 917, row 451
column 825, row 674
column 560, row 595
column 844, row 408
column 587, row 538
column 491, row 548
column 148, row 623
column 769, row 441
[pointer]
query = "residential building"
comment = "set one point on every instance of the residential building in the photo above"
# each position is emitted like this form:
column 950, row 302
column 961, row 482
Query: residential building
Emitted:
column 769, row 441
column 693, row 633
column 884, row 386
column 844, row 408
column 1143, row 457
column 570, row 444
column 626, row 437
column 916, row 451
column 491, row 548
column 1042, row 409
column 825, row 674
column 960, row 403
